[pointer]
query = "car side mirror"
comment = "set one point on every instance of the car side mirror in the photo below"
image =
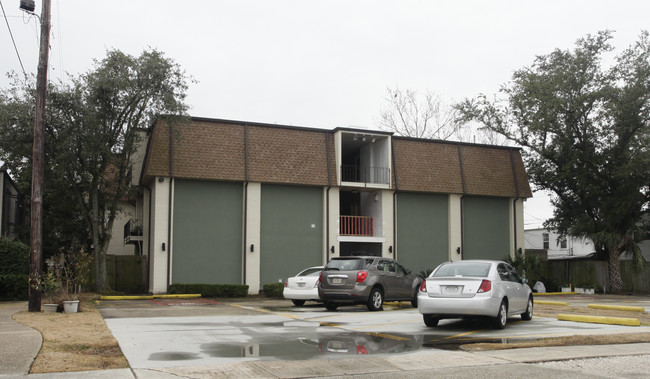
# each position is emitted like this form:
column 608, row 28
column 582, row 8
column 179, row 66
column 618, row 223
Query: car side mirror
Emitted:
column 524, row 281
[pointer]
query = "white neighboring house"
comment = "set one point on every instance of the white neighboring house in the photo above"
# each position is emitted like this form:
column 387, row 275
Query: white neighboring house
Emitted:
column 568, row 248
column 126, row 237
column 557, row 247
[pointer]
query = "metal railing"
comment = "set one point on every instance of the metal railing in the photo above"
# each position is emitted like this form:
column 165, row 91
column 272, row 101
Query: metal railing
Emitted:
column 355, row 173
column 132, row 229
column 356, row 226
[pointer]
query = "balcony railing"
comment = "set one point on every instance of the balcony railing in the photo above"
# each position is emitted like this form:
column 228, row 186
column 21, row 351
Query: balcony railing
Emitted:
column 355, row 173
column 356, row 226
column 132, row 232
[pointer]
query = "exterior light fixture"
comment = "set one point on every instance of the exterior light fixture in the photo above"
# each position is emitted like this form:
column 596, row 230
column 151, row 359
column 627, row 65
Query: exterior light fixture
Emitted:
column 27, row 5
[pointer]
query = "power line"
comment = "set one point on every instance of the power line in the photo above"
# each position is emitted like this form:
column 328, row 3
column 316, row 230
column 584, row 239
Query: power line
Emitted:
column 12, row 39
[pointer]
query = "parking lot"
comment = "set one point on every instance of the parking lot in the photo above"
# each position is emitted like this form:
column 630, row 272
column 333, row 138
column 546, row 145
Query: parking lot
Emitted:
column 206, row 332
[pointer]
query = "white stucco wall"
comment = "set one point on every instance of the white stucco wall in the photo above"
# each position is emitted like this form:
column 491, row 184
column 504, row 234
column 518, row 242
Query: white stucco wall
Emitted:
column 159, row 235
column 117, row 245
column 455, row 227
column 253, row 236
column 334, row 214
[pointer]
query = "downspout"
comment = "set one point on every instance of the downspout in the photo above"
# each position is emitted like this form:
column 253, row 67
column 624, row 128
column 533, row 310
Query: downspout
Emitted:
column 148, row 238
column 169, row 213
column 327, row 198
column 245, row 236
column 392, row 147
column 462, row 207
column 514, row 202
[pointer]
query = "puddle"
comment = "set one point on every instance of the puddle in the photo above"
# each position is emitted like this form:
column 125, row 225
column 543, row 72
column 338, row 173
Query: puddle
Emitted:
column 173, row 356
column 338, row 344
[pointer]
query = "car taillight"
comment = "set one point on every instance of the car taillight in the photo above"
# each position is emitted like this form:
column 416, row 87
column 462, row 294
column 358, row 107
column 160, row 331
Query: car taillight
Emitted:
column 423, row 286
column 286, row 283
column 361, row 350
column 486, row 286
column 361, row 276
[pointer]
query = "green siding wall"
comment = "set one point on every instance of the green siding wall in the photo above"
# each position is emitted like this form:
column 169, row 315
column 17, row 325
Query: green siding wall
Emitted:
column 207, row 232
column 289, row 243
column 422, row 230
column 486, row 233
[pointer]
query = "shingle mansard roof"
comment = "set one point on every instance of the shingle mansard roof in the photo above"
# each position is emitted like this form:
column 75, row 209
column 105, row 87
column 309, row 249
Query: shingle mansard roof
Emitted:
column 224, row 150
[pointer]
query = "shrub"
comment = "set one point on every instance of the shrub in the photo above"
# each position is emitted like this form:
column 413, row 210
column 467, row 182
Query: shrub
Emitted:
column 273, row 289
column 211, row 290
column 14, row 269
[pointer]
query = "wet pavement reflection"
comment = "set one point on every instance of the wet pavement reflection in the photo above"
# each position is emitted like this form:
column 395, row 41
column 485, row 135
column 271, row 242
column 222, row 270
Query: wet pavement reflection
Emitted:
column 339, row 344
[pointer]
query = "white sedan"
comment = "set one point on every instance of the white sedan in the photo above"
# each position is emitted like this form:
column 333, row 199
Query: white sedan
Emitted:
column 475, row 288
column 303, row 286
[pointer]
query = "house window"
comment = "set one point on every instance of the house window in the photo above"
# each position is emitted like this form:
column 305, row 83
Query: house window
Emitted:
column 563, row 243
column 545, row 240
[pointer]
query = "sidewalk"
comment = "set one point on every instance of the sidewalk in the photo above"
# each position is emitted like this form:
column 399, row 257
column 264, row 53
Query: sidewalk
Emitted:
column 20, row 344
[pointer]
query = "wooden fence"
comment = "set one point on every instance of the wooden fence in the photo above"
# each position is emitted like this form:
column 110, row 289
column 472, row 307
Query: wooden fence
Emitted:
column 592, row 273
column 126, row 273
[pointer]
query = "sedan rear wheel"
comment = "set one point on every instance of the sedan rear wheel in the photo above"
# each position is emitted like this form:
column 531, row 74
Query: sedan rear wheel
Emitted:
column 376, row 300
column 430, row 321
column 298, row 303
column 528, row 315
column 502, row 316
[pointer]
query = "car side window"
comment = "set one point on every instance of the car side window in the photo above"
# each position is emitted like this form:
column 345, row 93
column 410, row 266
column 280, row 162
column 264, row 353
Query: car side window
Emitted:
column 399, row 269
column 385, row 266
column 504, row 273
column 515, row 275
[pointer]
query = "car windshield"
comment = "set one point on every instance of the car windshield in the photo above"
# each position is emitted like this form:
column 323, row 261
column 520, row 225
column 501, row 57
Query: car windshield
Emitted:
column 476, row 269
column 310, row 272
column 350, row 264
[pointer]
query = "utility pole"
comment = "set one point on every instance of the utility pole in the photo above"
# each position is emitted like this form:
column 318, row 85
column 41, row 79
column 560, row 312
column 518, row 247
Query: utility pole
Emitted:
column 38, row 164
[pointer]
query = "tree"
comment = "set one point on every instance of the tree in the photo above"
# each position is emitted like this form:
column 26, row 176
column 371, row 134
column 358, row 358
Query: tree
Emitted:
column 408, row 114
column 585, row 130
column 92, row 130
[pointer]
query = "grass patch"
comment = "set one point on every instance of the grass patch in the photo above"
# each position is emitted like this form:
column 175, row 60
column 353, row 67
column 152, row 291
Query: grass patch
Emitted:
column 74, row 341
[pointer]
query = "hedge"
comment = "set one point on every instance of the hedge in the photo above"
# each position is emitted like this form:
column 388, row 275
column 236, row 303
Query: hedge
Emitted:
column 211, row 290
column 273, row 289
column 14, row 269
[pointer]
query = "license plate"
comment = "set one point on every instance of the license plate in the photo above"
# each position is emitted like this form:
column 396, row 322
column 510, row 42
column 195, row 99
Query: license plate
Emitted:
column 452, row 290
column 337, row 281
column 301, row 284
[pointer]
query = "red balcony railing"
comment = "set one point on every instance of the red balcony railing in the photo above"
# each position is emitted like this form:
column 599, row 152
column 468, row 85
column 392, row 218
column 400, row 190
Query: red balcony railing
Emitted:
column 356, row 226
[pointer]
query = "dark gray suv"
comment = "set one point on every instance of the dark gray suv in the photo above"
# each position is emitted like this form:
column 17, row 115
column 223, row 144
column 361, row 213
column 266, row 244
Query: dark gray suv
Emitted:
column 366, row 280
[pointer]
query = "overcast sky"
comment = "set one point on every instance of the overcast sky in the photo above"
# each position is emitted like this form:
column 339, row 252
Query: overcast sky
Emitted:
column 321, row 63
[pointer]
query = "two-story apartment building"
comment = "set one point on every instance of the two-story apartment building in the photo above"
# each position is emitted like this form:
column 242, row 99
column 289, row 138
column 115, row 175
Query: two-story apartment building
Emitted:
column 236, row 202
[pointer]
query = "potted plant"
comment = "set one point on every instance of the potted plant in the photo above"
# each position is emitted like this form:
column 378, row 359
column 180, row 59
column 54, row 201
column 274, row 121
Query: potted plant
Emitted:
column 66, row 275
column 50, row 286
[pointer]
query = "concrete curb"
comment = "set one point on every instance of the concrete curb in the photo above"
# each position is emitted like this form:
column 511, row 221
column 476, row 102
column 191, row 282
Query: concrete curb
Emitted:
column 600, row 319
column 548, row 302
column 150, row 297
column 617, row 307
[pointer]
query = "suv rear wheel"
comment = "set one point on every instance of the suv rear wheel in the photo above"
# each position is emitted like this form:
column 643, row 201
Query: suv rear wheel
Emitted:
column 330, row 306
column 376, row 300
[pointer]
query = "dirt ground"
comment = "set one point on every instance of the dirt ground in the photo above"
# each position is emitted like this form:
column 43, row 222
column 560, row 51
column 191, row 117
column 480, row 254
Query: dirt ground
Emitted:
column 74, row 341
column 82, row 341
